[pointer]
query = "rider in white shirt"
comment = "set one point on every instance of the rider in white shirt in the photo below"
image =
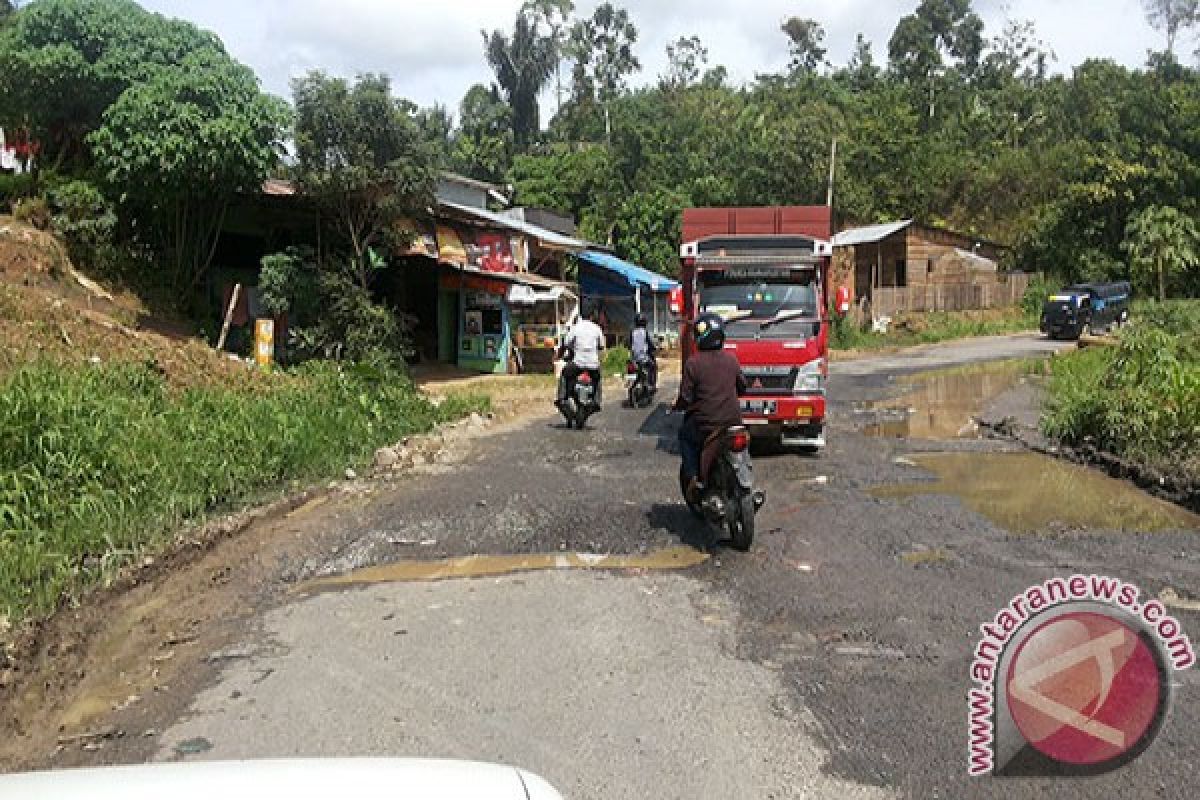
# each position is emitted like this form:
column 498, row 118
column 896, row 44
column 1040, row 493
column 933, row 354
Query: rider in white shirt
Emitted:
column 586, row 343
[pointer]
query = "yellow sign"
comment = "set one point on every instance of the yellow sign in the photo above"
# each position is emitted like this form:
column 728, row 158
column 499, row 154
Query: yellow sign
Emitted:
column 264, row 342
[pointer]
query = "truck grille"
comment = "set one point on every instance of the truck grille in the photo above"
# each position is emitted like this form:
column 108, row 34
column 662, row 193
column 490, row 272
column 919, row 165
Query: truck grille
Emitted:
column 769, row 382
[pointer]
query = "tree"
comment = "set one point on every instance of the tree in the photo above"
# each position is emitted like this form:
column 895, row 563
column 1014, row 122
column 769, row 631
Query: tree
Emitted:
column 483, row 146
column 685, row 58
column 523, row 64
column 63, row 62
column 554, row 14
column 437, row 130
column 938, row 29
column 179, row 146
column 1172, row 17
column 648, row 226
column 1162, row 243
column 806, row 36
column 860, row 72
column 361, row 155
column 1018, row 54
column 602, row 47
column 581, row 181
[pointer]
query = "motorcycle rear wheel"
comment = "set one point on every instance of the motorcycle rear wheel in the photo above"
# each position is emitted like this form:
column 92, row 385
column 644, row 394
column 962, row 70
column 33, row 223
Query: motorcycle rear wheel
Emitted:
column 741, row 522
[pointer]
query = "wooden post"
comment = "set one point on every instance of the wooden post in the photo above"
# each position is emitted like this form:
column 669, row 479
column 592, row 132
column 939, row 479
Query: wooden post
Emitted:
column 233, row 301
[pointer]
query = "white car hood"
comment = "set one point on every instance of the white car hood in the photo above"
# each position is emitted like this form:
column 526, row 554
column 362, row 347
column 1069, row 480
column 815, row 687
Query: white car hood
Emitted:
column 311, row 779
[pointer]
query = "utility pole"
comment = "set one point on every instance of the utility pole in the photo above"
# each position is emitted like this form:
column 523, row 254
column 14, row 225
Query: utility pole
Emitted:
column 832, row 172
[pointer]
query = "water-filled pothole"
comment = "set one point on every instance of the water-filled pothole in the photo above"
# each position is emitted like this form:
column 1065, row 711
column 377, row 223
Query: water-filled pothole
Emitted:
column 1028, row 493
column 941, row 404
column 417, row 571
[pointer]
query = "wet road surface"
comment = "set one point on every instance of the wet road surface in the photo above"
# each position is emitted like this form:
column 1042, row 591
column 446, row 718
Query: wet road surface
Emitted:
column 830, row 661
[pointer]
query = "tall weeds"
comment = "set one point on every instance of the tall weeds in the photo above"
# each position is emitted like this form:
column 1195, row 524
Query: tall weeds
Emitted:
column 100, row 465
column 1141, row 399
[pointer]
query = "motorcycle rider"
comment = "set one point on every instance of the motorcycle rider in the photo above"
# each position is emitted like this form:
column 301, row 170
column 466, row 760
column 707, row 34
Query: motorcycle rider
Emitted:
column 585, row 345
column 709, row 395
column 644, row 351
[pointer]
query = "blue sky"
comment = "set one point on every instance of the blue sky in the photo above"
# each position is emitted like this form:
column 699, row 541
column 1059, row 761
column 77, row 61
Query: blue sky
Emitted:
column 433, row 49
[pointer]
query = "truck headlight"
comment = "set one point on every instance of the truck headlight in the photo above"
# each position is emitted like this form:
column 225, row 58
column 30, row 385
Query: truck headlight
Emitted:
column 811, row 377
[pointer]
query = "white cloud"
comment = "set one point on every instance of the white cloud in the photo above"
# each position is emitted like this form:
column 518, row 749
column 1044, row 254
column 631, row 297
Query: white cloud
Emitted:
column 433, row 49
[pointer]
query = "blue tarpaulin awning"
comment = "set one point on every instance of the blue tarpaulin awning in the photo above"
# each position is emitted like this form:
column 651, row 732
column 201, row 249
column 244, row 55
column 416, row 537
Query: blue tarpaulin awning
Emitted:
column 613, row 275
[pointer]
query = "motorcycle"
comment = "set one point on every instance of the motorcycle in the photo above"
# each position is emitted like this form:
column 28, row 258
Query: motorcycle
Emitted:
column 728, row 501
column 637, row 384
column 581, row 399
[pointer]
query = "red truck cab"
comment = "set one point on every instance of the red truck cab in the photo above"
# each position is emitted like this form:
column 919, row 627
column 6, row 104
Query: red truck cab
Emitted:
column 765, row 271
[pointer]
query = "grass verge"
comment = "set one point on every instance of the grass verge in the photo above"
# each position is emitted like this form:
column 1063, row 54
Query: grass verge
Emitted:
column 100, row 465
column 1139, row 400
column 932, row 327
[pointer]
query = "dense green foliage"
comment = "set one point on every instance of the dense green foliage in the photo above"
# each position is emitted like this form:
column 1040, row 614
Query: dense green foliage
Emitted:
column 964, row 127
column 180, row 145
column 154, row 107
column 1164, row 249
column 361, row 155
column 1140, row 400
column 84, row 218
column 64, row 62
column 329, row 315
column 98, row 466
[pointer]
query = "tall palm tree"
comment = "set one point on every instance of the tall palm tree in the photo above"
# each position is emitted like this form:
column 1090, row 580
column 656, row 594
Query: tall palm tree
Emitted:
column 523, row 64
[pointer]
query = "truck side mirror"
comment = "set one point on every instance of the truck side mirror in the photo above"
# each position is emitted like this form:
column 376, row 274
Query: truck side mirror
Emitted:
column 843, row 301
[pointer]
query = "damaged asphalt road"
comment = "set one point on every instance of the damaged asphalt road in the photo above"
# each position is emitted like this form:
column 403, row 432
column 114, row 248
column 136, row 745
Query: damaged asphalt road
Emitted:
column 830, row 661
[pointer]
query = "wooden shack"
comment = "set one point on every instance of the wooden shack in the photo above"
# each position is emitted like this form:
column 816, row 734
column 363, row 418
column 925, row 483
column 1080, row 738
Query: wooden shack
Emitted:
column 908, row 266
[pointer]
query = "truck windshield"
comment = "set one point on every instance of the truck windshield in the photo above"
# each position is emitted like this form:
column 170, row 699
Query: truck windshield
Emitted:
column 786, row 298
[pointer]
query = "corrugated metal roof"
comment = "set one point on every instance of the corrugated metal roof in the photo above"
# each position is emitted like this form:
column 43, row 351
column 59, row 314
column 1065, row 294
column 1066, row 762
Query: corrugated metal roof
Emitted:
column 278, row 188
column 522, row 278
column 869, row 234
column 547, row 238
column 632, row 273
column 977, row 261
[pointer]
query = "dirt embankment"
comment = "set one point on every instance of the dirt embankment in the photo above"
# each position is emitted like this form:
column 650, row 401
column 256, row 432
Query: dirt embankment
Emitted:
column 49, row 310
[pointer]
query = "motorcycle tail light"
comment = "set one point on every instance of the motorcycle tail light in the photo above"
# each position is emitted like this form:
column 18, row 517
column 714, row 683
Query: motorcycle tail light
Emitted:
column 739, row 441
column 585, row 377
column 631, row 368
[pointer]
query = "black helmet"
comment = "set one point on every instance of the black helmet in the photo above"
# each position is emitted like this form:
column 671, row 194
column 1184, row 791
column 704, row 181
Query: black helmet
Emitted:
column 640, row 321
column 709, row 331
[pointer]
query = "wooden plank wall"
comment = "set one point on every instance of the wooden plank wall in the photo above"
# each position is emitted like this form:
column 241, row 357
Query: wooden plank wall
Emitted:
column 1008, row 291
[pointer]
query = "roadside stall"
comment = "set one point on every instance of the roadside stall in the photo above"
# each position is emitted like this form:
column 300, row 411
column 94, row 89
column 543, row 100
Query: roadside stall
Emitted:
column 500, row 315
column 622, row 290
column 540, row 317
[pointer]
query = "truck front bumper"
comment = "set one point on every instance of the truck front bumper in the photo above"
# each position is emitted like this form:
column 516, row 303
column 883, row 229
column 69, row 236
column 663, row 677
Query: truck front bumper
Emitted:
column 794, row 421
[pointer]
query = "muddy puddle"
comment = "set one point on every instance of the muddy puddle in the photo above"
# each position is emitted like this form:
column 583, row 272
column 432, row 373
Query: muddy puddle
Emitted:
column 493, row 566
column 941, row 404
column 1029, row 493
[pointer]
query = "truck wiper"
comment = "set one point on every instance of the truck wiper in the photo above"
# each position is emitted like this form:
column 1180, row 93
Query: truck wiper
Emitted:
column 784, row 316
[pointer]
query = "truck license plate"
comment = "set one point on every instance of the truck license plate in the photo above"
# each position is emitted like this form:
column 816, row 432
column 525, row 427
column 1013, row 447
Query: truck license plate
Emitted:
column 764, row 407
